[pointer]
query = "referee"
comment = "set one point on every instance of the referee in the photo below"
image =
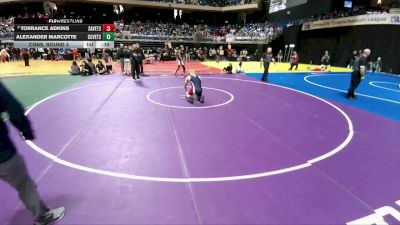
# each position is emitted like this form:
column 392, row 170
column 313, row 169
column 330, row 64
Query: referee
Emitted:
column 326, row 59
column 358, row 73
column 135, row 67
column 266, row 60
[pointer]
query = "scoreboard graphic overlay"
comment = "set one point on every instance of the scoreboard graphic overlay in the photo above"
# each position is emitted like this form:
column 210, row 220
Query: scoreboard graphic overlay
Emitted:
column 63, row 33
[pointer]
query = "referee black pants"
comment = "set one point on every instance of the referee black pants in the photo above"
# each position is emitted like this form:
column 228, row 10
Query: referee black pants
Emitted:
column 26, row 59
column 355, row 81
column 135, row 69
column 266, row 71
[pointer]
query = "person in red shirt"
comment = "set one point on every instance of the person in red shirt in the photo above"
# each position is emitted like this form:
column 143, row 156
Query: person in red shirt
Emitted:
column 75, row 54
column 294, row 61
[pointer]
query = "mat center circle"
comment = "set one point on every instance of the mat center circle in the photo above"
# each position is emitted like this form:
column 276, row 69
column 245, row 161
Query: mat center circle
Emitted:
column 174, row 97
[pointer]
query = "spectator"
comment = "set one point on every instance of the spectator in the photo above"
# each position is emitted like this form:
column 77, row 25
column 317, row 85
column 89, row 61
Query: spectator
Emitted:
column 92, row 66
column 239, row 68
column 280, row 56
column 74, row 69
column 74, row 53
column 377, row 65
column 100, row 68
column 352, row 60
column 187, row 54
column 88, row 68
column 228, row 69
column 220, row 54
column 108, row 60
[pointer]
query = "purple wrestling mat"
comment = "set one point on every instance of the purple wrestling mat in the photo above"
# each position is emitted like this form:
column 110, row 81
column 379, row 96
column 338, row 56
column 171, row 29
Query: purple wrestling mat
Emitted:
column 116, row 151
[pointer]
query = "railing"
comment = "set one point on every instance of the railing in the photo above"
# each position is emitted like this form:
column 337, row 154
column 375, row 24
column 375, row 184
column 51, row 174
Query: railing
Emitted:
column 158, row 4
column 206, row 3
column 192, row 39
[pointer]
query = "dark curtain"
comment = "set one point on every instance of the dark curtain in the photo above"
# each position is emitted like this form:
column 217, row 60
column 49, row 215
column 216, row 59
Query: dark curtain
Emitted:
column 383, row 40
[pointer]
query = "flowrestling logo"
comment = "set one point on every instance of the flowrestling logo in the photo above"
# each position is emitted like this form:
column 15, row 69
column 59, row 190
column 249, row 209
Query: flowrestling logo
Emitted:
column 378, row 217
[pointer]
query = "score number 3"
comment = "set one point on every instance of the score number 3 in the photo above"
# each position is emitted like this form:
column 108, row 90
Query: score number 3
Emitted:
column 108, row 28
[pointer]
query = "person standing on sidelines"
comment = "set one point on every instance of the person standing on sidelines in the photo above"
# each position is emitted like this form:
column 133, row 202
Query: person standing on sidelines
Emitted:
column 220, row 54
column 120, row 54
column 180, row 61
column 266, row 60
column 294, row 61
column 358, row 73
column 140, row 57
column 280, row 56
column 127, row 59
column 326, row 59
column 25, row 55
column 13, row 170
column 135, row 67
column 352, row 60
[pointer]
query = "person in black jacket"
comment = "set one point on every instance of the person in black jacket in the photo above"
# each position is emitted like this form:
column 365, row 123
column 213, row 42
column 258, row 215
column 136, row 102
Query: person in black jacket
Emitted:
column 135, row 68
column 358, row 74
column 140, row 58
column 13, row 170
column 25, row 55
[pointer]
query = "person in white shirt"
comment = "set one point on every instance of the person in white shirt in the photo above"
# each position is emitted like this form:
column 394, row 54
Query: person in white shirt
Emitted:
column 239, row 68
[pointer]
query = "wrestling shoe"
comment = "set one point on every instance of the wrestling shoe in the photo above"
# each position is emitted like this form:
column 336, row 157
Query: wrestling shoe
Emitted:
column 190, row 99
column 52, row 216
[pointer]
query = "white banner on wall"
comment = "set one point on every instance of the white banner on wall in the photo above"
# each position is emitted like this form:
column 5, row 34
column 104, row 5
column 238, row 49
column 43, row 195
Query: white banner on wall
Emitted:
column 374, row 19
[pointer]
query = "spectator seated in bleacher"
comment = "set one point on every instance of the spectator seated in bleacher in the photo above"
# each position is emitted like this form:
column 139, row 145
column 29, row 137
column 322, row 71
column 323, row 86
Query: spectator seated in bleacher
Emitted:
column 6, row 27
